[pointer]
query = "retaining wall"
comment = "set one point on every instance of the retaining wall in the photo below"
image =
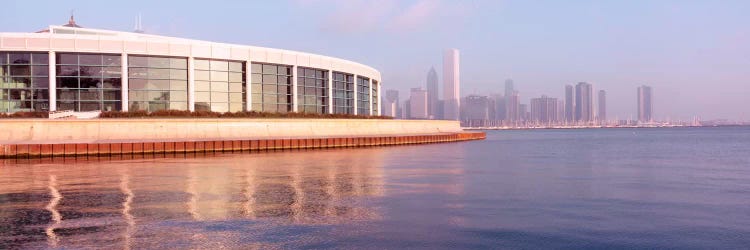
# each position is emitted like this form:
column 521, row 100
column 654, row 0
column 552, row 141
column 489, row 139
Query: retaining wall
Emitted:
column 39, row 138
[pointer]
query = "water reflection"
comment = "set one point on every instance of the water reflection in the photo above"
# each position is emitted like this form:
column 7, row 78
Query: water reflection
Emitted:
column 52, row 208
column 122, row 203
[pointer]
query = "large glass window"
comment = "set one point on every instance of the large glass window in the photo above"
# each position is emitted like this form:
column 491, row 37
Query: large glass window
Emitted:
column 363, row 96
column 271, row 88
column 24, row 82
column 219, row 86
column 312, row 90
column 343, row 93
column 375, row 97
column 157, row 83
column 87, row 82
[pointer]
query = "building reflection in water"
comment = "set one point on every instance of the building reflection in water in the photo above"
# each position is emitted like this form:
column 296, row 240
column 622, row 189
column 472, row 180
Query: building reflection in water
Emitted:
column 121, row 203
column 126, row 215
column 55, row 198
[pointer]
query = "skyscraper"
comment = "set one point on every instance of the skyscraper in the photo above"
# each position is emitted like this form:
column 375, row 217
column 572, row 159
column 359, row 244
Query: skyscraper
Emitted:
column 544, row 110
column 432, row 92
column 512, row 103
column 602, row 106
column 645, row 104
column 418, row 103
column 569, row 104
column 584, row 102
column 509, row 87
column 452, row 85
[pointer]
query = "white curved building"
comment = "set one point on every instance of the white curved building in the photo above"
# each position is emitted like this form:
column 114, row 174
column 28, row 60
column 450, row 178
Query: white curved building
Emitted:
column 72, row 68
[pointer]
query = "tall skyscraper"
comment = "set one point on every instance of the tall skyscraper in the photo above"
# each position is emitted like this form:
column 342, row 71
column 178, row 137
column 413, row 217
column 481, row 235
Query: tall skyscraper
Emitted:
column 645, row 104
column 432, row 92
column 391, row 104
column 584, row 102
column 602, row 106
column 418, row 103
column 452, row 85
column 509, row 87
column 512, row 103
column 544, row 110
column 569, row 104
column 499, row 107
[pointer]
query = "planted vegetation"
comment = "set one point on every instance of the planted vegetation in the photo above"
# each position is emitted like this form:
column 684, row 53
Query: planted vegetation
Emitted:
column 33, row 114
column 242, row 114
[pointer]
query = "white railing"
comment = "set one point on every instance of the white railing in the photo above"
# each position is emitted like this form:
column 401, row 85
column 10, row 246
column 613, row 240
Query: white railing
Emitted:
column 74, row 115
column 60, row 114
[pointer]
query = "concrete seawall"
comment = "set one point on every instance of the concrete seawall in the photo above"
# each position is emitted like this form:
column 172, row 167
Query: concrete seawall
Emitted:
column 39, row 138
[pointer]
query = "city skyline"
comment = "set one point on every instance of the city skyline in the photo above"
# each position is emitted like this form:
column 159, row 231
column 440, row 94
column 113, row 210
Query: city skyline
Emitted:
column 498, row 40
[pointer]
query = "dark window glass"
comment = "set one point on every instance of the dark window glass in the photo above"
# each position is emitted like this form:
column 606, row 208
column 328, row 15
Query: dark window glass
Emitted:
column 40, row 82
column 71, row 59
column 90, row 83
column 20, row 58
column 20, row 70
column 86, row 59
column 67, row 82
column 40, row 59
column 41, row 70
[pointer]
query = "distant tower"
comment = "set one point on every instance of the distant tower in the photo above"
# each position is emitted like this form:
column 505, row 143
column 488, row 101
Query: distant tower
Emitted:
column 138, row 24
column 645, row 104
column 452, row 85
column 432, row 93
column 509, row 88
column 602, row 106
column 569, row 104
column 584, row 102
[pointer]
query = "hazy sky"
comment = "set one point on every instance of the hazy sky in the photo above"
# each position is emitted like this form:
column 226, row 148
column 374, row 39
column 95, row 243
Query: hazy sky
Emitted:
column 695, row 54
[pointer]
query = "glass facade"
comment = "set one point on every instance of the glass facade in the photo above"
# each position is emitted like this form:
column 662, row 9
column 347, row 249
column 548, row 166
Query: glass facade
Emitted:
column 219, row 86
column 271, row 88
column 157, row 83
column 312, row 90
column 93, row 81
column 24, row 82
column 363, row 95
column 343, row 93
column 88, row 82
column 375, row 97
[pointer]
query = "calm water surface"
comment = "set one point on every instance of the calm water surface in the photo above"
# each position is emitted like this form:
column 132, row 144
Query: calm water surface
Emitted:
column 601, row 188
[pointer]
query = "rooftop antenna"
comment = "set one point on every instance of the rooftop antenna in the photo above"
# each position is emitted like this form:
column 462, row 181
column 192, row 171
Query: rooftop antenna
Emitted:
column 138, row 24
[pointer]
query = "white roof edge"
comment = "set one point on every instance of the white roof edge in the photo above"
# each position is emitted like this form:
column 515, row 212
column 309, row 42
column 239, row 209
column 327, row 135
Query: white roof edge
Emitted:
column 135, row 36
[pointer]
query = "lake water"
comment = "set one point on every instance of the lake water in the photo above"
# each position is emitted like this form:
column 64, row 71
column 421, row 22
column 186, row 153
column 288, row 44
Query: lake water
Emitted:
column 595, row 188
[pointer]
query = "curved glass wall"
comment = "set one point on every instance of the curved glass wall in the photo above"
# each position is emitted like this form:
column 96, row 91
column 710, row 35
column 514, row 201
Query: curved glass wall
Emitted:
column 219, row 86
column 88, row 82
column 343, row 93
column 363, row 95
column 312, row 90
column 375, row 97
column 157, row 83
column 24, row 82
column 271, row 87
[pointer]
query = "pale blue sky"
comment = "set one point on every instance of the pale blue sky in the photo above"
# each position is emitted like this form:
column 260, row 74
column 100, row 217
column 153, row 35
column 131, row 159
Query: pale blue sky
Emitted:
column 695, row 54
